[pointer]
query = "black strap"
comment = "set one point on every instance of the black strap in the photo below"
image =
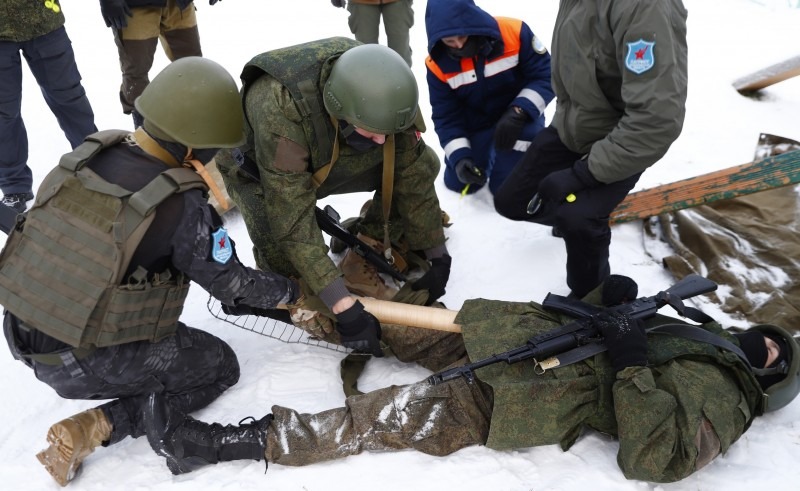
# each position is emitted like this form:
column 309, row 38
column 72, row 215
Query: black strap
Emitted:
column 56, row 358
column 697, row 334
column 686, row 331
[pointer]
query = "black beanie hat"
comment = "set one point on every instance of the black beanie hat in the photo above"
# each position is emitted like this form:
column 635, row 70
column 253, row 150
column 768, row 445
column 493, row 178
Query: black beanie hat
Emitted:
column 618, row 289
column 752, row 343
column 754, row 347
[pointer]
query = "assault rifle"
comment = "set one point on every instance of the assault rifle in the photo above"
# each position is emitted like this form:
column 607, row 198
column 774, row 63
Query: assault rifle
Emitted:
column 578, row 340
column 329, row 222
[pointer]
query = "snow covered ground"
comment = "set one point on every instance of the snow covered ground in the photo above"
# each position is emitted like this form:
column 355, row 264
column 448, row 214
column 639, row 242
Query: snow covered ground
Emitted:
column 493, row 258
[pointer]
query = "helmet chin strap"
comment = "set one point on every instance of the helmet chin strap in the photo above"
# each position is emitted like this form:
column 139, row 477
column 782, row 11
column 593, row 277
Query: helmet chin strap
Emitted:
column 191, row 162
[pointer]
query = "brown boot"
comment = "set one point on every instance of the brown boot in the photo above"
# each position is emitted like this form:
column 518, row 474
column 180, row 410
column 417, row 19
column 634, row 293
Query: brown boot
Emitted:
column 361, row 277
column 72, row 440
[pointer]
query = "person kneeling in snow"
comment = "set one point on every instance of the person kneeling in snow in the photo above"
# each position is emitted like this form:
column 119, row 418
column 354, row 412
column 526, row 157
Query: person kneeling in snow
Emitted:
column 637, row 390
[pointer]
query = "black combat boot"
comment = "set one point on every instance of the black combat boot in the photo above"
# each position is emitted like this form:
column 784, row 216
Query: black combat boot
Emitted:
column 189, row 444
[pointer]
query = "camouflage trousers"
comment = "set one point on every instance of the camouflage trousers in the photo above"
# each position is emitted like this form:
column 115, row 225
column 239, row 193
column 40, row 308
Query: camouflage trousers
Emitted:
column 192, row 368
column 434, row 419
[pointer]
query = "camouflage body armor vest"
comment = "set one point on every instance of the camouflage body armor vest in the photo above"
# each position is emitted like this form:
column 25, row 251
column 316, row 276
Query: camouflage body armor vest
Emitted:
column 301, row 69
column 62, row 267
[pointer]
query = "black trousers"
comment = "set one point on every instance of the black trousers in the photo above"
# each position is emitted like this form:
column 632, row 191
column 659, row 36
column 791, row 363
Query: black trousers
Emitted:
column 192, row 367
column 583, row 223
column 52, row 62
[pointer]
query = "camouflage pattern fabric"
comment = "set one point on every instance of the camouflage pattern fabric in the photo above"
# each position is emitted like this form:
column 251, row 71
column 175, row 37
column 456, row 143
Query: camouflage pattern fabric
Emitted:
column 672, row 417
column 432, row 349
column 279, row 210
column 23, row 20
column 434, row 419
column 192, row 368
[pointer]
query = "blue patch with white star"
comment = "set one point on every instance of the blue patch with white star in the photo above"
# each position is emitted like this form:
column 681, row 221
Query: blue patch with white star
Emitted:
column 640, row 56
column 221, row 250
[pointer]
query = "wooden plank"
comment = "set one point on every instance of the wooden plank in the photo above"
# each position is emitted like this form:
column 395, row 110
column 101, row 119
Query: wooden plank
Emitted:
column 772, row 172
column 768, row 76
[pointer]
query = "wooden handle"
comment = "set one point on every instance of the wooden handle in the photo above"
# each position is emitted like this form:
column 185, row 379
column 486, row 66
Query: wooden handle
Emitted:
column 411, row 315
column 408, row 315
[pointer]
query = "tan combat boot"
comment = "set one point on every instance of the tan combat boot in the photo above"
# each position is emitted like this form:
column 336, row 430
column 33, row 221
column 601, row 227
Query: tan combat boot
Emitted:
column 361, row 277
column 72, row 440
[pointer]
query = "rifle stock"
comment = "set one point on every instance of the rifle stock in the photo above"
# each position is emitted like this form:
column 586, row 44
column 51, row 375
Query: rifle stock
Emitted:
column 580, row 332
column 328, row 221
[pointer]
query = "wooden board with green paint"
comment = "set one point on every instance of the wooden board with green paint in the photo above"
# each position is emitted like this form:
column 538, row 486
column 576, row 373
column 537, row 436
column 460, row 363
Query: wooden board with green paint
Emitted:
column 772, row 172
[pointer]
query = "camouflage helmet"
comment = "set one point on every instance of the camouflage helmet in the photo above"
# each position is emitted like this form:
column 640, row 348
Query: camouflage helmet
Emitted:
column 783, row 392
column 372, row 87
column 195, row 102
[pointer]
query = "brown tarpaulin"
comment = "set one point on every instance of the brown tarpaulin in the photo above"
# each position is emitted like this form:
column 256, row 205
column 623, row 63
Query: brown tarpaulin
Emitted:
column 750, row 245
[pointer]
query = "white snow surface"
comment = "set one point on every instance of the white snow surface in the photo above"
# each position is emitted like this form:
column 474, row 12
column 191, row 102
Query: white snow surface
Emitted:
column 492, row 258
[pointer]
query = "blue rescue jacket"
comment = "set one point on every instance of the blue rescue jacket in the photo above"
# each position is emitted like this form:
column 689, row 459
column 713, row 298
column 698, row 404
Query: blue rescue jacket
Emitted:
column 469, row 95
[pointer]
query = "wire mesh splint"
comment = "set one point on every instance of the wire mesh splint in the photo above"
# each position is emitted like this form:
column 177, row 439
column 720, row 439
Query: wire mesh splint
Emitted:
column 271, row 328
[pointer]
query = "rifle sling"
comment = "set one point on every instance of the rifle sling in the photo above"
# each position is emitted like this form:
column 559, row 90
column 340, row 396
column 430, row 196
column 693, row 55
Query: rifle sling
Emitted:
column 686, row 331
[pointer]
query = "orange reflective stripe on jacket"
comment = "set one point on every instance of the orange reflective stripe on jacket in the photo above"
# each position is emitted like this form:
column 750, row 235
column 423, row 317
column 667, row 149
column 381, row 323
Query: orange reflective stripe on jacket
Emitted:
column 510, row 32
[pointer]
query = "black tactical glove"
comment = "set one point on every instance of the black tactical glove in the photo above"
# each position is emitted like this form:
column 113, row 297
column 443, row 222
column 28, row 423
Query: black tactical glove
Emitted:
column 618, row 289
column 624, row 337
column 468, row 173
column 212, row 2
column 339, row 3
column 557, row 185
column 509, row 127
column 115, row 13
column 435, row 279
column 360, row 330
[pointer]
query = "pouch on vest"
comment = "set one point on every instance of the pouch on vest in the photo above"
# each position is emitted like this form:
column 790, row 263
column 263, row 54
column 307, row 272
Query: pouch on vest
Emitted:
column 60, row 271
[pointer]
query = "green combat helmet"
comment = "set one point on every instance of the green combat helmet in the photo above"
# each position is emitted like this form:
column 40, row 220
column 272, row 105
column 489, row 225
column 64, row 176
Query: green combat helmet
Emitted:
column 195, row 102
column 783, row 392
column 371, row 87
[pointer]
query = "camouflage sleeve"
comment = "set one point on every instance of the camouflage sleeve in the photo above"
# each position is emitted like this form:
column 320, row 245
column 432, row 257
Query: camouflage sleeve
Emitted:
column 671, row 428
column 205, row 253
column 414, row 195
column 282, row 155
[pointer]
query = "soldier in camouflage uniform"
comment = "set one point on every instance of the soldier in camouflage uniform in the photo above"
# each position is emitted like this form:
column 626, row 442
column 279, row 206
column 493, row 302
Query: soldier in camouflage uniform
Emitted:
column 673, row 402
column 365, row 22
column 132, row 343
column 325, row 118
column 37, row 30
column 138, row 25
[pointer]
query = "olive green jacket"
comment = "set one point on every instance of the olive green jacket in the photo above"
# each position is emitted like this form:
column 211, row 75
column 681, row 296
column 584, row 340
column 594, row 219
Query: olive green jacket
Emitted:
column 279, row 211
column 672, row 417
column 618, row 98
column 23, row 20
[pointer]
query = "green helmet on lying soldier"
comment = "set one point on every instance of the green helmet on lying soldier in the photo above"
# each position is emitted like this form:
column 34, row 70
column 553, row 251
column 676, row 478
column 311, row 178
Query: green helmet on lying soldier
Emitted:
column 780, row 379
column 371, row 87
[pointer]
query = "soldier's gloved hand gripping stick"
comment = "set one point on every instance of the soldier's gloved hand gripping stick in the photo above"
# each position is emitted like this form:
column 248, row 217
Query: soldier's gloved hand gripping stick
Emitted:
column 578, row 339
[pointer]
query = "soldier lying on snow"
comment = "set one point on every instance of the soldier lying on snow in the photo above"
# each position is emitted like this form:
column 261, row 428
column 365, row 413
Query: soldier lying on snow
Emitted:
column 637, row 391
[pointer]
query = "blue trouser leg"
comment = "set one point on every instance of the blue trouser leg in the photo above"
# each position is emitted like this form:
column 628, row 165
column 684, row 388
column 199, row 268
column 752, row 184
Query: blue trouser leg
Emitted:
column 483, row 156
column 505, row 161
column 15, row 176
column 52, row 62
